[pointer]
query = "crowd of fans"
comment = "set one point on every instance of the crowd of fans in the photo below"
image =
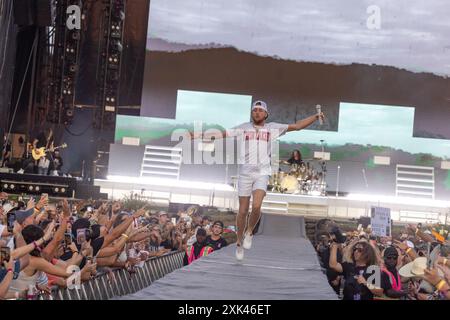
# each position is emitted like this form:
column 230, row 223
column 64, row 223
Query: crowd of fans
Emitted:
column 41, row 242
column 413, row 265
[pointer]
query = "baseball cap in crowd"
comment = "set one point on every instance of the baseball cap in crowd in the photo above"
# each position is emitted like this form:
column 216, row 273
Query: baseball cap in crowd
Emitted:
column 390, row 251
column 162, row 213
column 22, row 215
column 201, row 232
column 218, row 223
column 153, row 220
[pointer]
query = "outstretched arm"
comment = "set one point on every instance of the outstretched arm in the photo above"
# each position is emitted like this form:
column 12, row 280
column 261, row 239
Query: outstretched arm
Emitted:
column 301, row 124
column 217, row 134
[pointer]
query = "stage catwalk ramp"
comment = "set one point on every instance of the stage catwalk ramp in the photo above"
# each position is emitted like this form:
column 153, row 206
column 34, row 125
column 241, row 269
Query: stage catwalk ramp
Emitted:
column 282, row 265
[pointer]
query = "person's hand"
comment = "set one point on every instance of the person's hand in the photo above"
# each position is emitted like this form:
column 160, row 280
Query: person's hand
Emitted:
column 3, row 196
column 40, row 217
column 49, row 231
column 95, row 216
column 136, row 231
column 43, row 201
column 86, row 248
column 10, row 263
column 44, row 288
column 445, row 270
column 65, row 209
column 140, row 212
column 102, row 209
column 30, row 203
column 72, row 247
column 143, row 255
column 401, row 245
column 79, row 205
column 89, row 267
column 320, row 116
column 412, row 228
column 129, row 230
column 440, row 260
column 432, row 276
column 336, row 281
column 361, row 280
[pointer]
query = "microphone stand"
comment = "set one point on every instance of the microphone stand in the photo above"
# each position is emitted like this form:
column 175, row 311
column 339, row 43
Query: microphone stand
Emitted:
column 337, row 182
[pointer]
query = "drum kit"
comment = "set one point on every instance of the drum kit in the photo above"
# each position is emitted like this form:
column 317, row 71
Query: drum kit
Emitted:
column 299, row 179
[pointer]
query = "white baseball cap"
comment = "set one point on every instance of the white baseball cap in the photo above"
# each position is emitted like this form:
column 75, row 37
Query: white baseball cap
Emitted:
column 260, row 104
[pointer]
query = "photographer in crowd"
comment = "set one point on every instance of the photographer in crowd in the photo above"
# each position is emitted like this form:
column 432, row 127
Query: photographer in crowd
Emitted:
column 412, row 266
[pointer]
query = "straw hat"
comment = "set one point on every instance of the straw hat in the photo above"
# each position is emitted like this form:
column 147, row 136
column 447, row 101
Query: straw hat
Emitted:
column 414, row 269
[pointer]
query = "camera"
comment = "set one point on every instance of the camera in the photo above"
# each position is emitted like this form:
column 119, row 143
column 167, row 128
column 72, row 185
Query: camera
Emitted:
column 5, row 255
column 337, row 236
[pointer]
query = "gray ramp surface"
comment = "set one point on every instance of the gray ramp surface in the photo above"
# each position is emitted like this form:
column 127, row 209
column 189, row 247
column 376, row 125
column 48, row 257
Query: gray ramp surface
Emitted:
column 282, row 265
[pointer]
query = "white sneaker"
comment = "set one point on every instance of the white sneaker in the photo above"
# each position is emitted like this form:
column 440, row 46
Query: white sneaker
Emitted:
column 247, row 244
column 239, row 253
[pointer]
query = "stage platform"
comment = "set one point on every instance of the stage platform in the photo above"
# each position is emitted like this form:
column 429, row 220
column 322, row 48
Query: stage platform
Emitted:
column 224, row 196
column 282, row 265
column 55, row 186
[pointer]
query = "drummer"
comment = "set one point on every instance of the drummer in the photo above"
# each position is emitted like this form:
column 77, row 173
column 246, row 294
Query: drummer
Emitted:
column 296, row 158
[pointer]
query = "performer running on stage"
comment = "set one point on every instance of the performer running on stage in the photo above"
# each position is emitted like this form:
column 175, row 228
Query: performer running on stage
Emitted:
column 255, row 166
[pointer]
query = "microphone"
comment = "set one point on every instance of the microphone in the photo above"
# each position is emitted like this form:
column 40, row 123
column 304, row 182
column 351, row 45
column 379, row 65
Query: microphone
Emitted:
column 319, row 111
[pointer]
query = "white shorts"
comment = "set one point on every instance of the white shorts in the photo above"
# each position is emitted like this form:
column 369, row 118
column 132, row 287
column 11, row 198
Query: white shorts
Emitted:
column 250, row 182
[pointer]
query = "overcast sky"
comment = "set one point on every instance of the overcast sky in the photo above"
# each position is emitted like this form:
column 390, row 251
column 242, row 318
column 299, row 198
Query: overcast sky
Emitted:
column 414, row 34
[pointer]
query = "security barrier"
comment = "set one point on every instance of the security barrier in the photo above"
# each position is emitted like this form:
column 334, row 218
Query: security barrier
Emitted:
column 104, row 287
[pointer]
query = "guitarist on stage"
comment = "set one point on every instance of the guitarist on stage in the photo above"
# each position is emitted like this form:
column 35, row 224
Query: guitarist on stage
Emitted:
column 43, row 139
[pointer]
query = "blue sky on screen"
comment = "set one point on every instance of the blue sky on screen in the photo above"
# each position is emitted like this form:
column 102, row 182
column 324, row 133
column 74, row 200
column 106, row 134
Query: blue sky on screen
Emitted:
column 227, row 110
column 376, row 125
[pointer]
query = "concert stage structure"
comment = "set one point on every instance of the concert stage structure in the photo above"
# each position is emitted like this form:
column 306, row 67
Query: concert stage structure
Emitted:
column 352, row 206
column 282, row 265
column 54, row 186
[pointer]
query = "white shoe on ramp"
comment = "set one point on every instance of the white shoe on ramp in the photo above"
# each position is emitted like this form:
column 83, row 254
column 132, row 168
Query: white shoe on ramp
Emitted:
column 247, row 243
column 239, row 253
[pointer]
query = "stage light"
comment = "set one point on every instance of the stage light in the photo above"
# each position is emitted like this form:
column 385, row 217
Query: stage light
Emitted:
column 30, row 188
column 56, row 189
column 37, row 188
column 63, row 190
column 11, row 186
column 117, row 45
column 5, row 186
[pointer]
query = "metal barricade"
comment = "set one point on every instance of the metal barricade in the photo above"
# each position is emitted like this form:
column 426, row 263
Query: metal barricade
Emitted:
column 122, row 283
